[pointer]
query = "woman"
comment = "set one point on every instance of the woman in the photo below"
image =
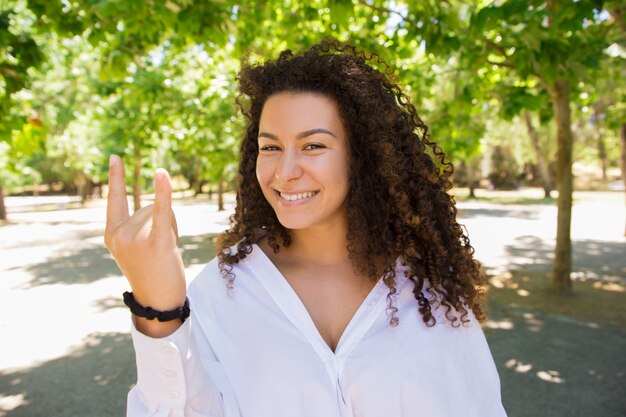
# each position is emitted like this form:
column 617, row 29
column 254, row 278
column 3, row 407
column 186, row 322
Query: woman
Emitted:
column 344, row 287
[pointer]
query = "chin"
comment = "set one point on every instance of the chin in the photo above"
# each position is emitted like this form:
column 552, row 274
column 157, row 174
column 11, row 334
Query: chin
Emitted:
column 294, row 224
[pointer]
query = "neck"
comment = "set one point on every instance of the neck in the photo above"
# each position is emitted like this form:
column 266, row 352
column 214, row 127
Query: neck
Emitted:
column 326, row 246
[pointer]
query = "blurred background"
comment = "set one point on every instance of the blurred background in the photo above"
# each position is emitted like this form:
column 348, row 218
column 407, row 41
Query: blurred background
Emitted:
column 526, row 97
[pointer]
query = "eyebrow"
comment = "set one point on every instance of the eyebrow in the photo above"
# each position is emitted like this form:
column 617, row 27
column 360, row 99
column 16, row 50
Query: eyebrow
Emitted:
column 300, row 135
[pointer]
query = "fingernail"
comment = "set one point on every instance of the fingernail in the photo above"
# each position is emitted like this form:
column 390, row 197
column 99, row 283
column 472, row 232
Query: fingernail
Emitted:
column 160, row 174
column 113, row 160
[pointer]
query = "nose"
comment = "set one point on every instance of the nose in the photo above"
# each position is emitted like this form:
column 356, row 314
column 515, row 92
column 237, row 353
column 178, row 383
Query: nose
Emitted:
column 288, row 167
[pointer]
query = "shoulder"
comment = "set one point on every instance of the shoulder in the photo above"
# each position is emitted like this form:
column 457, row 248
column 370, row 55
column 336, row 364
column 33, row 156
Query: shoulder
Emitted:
column 213, row 277
column 209, row 276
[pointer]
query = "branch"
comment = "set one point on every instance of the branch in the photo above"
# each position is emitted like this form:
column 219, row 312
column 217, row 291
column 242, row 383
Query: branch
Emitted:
column 501, row 64
column 384, row 10
column 618, row 15
column 494, row 45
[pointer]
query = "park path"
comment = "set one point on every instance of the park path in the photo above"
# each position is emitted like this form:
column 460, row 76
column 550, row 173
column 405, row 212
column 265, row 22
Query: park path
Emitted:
column 66, row 350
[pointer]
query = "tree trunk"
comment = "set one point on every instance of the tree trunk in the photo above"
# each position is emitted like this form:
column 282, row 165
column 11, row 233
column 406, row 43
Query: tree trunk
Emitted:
column 137, row 180
column 541, row 160
column 3, row 210
column 472, row 190
column 602, row 153
column 599, row 113
column 220, row 194
column 560, row 93
column 198, row 182
column 81, row 186
column 623, row 135
column 471, row 179
column 193, row 177
column 198, row 189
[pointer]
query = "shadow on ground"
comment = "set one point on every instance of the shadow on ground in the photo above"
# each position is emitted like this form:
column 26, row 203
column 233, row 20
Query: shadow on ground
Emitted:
column 52, row 237
column 87, row 264
column 551, row 365
column 92, row 380
column 590, row 257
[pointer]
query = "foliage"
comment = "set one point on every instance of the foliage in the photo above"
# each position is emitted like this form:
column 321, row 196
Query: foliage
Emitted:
column 80, row 80
column 504, row 173
column 19, row 52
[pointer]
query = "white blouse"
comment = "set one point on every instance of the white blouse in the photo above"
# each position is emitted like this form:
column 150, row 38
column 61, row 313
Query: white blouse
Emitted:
column 255, row 352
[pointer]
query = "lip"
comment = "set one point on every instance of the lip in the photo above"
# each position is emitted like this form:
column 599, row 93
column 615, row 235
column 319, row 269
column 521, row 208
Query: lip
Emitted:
column 290, row 203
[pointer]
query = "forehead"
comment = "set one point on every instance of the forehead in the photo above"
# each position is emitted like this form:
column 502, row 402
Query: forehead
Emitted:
column 297, row 111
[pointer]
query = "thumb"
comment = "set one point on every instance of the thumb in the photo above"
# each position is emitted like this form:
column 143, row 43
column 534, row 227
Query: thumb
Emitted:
column 162, row 211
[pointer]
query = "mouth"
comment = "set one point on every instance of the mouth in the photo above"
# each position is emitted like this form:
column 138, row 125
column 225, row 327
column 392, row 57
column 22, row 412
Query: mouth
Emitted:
column 297, row 196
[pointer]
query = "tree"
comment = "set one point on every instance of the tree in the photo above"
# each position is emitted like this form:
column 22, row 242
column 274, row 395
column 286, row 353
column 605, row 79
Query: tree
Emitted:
column 552, row 44
column 455, row 59
column 137, row 118
column 123, row 32
column 617, row 116
column 18, row 53
column 206, row 138
column 544, row 169
column 524, row 98
column 555, row 44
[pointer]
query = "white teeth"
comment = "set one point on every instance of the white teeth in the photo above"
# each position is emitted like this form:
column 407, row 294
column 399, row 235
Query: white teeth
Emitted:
column 294, row 197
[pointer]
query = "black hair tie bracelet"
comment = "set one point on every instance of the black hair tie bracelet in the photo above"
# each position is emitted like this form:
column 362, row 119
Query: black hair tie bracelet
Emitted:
column 149, row 313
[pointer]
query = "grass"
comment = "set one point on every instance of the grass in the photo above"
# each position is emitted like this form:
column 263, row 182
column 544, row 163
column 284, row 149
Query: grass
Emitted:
column 524, row 196
column 519, row 200
column 590, row 301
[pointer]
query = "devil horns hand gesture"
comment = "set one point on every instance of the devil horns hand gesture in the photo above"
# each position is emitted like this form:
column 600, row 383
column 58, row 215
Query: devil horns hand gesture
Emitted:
column 144, row 246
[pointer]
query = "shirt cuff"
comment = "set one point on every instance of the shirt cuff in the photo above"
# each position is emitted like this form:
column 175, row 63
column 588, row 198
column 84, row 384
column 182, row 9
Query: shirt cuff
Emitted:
column 160, row 369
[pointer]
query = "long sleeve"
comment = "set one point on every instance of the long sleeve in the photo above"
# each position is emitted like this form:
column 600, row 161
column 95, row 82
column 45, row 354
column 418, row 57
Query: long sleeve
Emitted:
column 175, row 379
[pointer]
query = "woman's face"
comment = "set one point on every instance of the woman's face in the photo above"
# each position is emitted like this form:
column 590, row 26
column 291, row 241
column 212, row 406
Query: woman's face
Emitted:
column 302, row 166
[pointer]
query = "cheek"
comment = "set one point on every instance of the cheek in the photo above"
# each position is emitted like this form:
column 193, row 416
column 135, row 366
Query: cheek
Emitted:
column 341, row 170
column 263, row 174
column 260, row 171
column 345, row 176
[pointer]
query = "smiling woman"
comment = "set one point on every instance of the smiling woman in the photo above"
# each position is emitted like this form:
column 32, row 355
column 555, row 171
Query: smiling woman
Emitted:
column 344, row 286
column 302, row 166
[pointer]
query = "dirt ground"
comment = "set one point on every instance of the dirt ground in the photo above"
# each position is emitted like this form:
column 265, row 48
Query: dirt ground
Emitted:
column 66, row 351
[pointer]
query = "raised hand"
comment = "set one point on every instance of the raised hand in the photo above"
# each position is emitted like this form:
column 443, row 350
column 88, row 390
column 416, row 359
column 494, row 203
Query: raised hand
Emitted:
column 144, row 246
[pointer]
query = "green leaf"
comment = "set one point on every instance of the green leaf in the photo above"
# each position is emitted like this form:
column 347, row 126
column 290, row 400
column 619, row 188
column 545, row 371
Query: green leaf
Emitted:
column 340, row 12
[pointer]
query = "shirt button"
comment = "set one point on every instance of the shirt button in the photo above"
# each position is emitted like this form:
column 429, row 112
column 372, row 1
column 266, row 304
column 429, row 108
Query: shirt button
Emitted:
column 169, row 374
column 173, row 395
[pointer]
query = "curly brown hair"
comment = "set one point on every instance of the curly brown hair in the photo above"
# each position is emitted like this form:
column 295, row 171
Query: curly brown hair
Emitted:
column 398, row 196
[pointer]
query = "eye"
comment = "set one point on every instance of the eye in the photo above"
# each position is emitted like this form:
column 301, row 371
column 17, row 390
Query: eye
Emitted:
column 269, row 148
column 314, row 146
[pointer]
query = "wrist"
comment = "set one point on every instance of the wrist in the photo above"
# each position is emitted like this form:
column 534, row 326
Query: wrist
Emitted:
column 162, row 301
column 179, row 313
column 153, row 322
column 154, row 328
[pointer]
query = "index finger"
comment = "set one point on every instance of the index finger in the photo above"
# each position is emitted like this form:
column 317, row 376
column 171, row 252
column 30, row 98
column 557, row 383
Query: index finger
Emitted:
column 162, row 211
column 117, row 204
